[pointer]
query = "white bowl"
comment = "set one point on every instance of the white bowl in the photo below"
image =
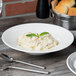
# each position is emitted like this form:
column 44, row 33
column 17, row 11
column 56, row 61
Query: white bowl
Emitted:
column 63, row 36
column 71, row 62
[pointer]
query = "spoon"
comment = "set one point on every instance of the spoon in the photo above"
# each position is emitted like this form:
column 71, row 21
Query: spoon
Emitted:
column 9, row 58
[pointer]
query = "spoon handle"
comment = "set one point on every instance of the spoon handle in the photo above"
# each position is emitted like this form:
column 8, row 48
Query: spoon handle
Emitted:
column 33, row 65
column 30, row 70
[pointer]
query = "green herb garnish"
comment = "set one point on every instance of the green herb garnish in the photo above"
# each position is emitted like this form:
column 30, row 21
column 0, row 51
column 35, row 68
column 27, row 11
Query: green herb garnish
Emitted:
column 37, row 35
column 44, row 33
column 31, row 35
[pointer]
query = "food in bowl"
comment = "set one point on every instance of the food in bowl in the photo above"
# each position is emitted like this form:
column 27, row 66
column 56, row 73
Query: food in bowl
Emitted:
column 63, row 7
column 35, row 41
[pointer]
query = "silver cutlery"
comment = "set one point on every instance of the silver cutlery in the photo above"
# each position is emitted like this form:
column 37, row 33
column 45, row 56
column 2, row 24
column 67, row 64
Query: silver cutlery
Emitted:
column 24, row 69
column 9, row 58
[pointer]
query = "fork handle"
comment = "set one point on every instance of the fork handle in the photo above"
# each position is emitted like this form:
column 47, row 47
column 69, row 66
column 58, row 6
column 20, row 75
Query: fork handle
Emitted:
column 30, row 70
column 33, row 65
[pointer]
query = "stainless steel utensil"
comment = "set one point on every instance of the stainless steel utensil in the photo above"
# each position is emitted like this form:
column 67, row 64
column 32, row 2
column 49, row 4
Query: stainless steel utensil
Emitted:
column 24, row 69
column 6, row 57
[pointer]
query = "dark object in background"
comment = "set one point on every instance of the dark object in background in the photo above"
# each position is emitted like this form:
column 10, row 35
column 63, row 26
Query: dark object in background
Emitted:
column 43, row 9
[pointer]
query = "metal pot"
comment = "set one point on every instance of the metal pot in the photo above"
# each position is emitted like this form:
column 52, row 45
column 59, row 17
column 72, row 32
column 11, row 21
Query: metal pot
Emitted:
column 66, row 21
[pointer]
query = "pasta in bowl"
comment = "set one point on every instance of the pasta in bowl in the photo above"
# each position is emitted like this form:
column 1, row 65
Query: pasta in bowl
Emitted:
column 37, row 41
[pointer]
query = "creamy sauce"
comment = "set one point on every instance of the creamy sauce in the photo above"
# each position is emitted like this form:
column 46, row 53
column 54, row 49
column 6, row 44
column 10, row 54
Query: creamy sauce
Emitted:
column 37, row 43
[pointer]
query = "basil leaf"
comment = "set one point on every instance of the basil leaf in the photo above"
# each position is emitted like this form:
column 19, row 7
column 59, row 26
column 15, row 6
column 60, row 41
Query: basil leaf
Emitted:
column 44, row 33
column 38, row 35
column 31, row 35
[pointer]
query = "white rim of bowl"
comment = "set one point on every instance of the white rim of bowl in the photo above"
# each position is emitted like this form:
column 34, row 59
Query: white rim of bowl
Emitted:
column 45, row 52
